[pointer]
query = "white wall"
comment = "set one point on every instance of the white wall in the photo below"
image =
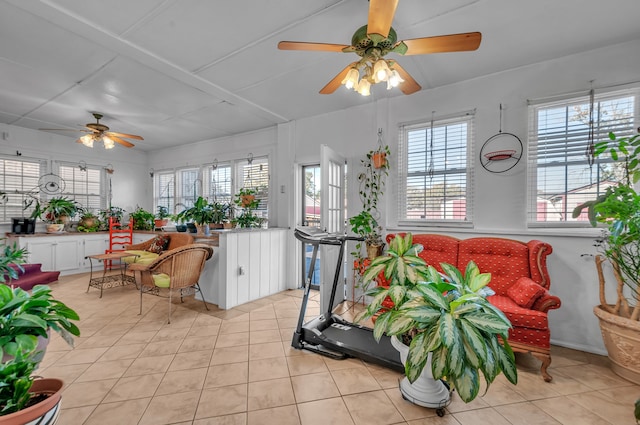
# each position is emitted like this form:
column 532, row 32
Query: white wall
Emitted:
column 130, row 181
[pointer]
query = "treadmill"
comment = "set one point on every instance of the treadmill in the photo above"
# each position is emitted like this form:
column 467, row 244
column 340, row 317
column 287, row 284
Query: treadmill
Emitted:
column 329, row 334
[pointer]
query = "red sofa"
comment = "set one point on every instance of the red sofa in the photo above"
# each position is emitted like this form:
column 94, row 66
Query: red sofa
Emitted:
column 32, row 276
column 519, row 278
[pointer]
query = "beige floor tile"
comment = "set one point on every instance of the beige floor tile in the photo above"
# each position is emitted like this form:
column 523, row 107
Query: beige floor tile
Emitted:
column 204, row 330
column 120, row 413
column 68, row 374
column 409, row 411
column 567, row 411
column 268, row 394
column 261, row 337
column 595, row 376
column 265, row 351
column 232, row 340
column 170, row 334
column 86, row 393
column 204, row 320
column 435, row 420
column 358, row 380
column 457, row 405
column 134, row 387
column 285, row 415
column 97, row 341
column 230, row 355
column 262, row 325
column 191, row 360
column 500, row 393
column 222, row 401
column 136, row 337
column 616, row 411
column 229, row 327
column 121, row 352
column 488, row 416
column 81, row 356
column 532, row 387
column 237, row 419
column 182, row 381
column 75, row 415
column 315, row 386
column 105, row 370
column 264, row 369
column 386, row 378
column 525, row 413
column 372, row 408
column 148, row 365
column 301, row 365
column 160, row 348
column 322, row 412
column 227, row 374
column 169, row 409
column 198, row 343
column 262, row 314
column 349, row 363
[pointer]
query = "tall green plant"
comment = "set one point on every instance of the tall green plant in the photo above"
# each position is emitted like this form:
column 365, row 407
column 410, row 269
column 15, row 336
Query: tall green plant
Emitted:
column 445, row 315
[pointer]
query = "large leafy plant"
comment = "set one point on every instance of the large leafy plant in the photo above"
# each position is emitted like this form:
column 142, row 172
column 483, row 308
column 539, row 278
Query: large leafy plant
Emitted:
column 11, row 258
column 445, row 315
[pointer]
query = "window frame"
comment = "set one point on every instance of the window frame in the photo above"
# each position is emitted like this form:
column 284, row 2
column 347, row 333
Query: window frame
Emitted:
column 534, row 146
column 466, row 117
column 102, row 185
column 23, row 192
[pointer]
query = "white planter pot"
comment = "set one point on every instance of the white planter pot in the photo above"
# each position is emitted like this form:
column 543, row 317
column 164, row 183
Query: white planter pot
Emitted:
column 425, row 391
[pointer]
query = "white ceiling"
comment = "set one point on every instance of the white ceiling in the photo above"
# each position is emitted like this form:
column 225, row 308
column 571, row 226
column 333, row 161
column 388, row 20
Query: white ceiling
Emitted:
column 181, row 71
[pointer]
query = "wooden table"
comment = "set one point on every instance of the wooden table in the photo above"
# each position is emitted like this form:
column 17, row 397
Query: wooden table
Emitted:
column 110, row 280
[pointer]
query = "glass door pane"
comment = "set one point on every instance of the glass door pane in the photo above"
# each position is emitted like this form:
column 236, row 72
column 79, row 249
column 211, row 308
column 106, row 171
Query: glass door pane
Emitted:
column 311, row 217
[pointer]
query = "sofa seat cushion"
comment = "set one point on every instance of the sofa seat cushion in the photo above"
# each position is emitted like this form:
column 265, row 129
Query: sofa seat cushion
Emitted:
column 143, row 257
column 518, row 316
column 161, row 280
column 530, row 337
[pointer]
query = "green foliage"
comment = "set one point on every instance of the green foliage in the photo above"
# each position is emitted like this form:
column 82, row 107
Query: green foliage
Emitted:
column 142, row 219
column 220, row 212
column 24, row 317
column 366, row 226
column 10, row 254
column 162, row 213
column 200, row 213
column 443, row 314
column 619, row 209
column 54, row 210
column 116, row 212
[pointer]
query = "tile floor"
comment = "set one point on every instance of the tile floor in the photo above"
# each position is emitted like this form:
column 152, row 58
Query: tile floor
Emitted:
column 237, row 367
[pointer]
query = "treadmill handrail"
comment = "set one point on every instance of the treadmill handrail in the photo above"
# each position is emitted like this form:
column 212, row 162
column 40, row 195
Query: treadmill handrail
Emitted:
column 325, row 239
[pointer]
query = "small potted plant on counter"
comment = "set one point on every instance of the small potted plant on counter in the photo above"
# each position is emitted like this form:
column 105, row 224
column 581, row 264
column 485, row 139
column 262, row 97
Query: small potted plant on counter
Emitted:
column 162, row 217
column 142, row 219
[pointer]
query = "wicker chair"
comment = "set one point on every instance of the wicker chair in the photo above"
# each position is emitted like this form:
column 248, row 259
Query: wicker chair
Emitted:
column 176, row 270
column 175, row 240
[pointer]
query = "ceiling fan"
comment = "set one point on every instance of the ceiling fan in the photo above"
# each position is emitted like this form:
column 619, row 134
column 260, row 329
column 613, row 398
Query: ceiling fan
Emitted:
column 375, row 40
column 98, row 132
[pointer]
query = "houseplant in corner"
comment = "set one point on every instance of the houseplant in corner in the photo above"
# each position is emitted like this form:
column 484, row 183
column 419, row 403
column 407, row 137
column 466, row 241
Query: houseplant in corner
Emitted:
column 443, row 322
column 25, row 320
column 619, row 209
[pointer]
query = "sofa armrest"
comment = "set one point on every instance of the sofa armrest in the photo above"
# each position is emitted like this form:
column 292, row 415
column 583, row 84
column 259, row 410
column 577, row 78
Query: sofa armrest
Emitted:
column 546, row 302
column 538, row 252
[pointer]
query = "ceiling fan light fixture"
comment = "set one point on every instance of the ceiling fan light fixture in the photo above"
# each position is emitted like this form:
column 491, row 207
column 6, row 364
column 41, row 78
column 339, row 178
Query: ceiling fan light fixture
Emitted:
column 364, row 87
column 394, row 80
column 351, row 80
column 381, row 70
column 87, row 140
column 108, row 143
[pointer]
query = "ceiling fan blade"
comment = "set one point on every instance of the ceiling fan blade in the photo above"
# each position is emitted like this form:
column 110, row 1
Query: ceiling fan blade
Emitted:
column 61, row 129
column 443, row 43
column 128, row 136
column 381, row 14
column 337, row 81
column 409, row 86
column 121, row 141
column 301, row 45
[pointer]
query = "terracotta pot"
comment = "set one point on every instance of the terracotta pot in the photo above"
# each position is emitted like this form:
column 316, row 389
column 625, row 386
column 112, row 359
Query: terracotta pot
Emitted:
column 43, row 413
column 160, row 223
column 227, row 225
column 88, row 222
column 379, row 159
column 622, row 339
column 374, row 251
column 424, row 391
column 247, row 200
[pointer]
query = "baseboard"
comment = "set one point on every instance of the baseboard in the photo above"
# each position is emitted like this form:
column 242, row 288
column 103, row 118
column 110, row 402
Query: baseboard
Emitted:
column 580, row 347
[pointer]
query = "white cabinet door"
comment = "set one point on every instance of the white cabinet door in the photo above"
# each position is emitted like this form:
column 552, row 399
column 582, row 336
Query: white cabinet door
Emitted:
column 67, row 254
column 41, row 251
column 94, row 244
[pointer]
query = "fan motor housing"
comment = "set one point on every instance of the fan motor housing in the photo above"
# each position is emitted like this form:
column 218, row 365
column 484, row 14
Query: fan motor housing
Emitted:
column 363, row 43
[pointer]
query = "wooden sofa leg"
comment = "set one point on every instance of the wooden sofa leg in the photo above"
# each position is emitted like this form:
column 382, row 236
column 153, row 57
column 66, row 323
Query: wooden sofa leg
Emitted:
column 546, row 361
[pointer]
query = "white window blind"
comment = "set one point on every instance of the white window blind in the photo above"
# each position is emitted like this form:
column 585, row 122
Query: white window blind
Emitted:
column 19, row 182
column 189, row 186
column 435, row 172
column 255, row 175
column 84, row 185
column 560, row 175
column 221, row 184
column 164, row 190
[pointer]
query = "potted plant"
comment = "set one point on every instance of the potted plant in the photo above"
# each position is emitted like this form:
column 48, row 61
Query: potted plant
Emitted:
column 142, row 219
column 619, row 209
column 219, row 214
column 247, row 218
column 200, row 214
column 89, row 222
column 11, row 259
column 378, row 157
column 56, row 212
column 25, row 320
column 162, row 217
column 443, row 323
column 116, row 213
column 246, row 198
column 366, row 226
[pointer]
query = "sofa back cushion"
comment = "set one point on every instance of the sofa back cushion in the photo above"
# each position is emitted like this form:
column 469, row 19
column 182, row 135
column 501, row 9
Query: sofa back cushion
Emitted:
column 438, row 249
column 507, row 260
column 179, row 239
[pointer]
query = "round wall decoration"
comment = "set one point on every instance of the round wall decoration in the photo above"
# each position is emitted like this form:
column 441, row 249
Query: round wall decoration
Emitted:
column 501, row 152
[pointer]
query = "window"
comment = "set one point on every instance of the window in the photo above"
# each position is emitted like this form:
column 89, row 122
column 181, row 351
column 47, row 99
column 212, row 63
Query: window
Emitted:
column 435, row 175
column 164, row 190
column 83, row 185
column 254, row 174
column 560, row 174
column 19, row 179
column 188, row 186
column 220, row 185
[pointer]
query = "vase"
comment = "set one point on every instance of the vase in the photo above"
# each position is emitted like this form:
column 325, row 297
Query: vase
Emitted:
column 374, row 251
column 621, row 337
column 424, row 391
column 43, row 413
column 379, row 159
column 55, row 227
